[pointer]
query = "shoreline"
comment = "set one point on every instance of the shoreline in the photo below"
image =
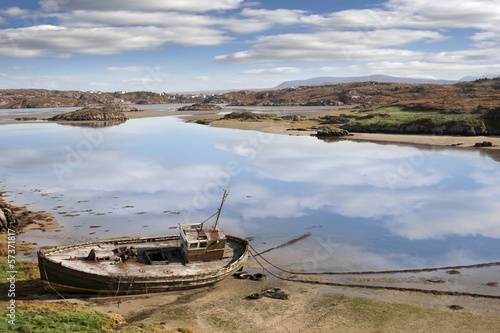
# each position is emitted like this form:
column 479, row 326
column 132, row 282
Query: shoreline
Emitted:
column 284, row 127
column 413, row 139
column 22, row 220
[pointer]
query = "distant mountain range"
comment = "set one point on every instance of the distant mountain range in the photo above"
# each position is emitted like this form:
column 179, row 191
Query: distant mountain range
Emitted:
column 321, row 81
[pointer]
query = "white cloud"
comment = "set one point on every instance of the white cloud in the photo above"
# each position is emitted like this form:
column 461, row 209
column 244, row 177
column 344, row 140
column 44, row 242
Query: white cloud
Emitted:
column 419, row 14
column 420, row 68
column 48, row 40
column 90, row 18
column 276, row 70
column 14, row 11
column 20, row 68
column 143, row 5
column 333, row 45
column 479, row 14
column 281, row 16
column 204, row 78
column 134, row 69
column 144, row 81
column 95, row 18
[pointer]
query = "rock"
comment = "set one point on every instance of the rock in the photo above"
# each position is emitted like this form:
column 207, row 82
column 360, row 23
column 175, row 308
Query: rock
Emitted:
column 3, row 218
column 202, row 122
column 332, row 132
column 92, row 114
column 327, row 120
column 294, row 117
column 484, row 144
column 125, row 108
column 7, row 220
column 250, row 116
column 200, row 107
column 26, row 118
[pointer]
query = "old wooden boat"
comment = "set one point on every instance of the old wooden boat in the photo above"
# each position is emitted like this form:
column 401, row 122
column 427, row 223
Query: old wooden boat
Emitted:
column 198, row 256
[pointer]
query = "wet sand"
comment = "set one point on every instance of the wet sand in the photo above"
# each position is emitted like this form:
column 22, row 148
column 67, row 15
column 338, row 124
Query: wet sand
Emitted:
column 309, row 308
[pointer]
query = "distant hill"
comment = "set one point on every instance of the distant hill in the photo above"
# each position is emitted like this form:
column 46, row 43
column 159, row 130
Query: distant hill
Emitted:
column 322, row 81
column 474, row 78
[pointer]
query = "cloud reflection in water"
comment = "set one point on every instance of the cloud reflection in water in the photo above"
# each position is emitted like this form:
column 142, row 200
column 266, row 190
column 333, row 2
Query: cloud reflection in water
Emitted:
column 384, row 205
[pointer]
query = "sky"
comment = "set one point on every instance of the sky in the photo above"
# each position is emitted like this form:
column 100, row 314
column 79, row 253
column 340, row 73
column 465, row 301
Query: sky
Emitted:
column 195, row 45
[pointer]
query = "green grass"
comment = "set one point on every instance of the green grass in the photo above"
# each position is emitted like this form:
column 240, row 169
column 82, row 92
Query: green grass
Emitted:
column 26, row 270
column 492, row 121
column 394, row 117
column 41, row 317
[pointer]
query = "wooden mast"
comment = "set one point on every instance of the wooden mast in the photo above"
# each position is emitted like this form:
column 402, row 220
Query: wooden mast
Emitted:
column 224, row 196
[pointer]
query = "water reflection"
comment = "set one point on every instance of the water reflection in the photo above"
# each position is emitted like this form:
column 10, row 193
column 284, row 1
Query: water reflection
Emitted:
column 93, row 124
column 367, row 206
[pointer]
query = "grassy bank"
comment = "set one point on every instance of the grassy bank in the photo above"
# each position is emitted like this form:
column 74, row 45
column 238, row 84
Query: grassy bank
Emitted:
column 417, row 121
column 38, row 316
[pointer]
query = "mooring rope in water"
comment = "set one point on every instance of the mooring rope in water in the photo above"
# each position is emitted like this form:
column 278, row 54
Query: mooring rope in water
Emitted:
column 418, row 270
column 335, row 284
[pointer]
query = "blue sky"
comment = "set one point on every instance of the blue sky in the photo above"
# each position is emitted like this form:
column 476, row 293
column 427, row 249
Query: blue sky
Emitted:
column 191, row 45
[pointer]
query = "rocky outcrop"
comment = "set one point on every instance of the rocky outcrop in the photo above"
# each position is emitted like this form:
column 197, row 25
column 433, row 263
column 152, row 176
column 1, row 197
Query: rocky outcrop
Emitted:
column 422, row 126
column 484, row 144
column 250, row 116
column 21, row 219
column 328, row 120
column 294, row 117
column 331, row 132
column 200, row 107
column 7, row 220
column 26, row 118
column 92, row 114
column 125, row 108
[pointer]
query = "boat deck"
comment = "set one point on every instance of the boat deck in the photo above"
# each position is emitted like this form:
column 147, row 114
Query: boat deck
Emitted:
column 165, row 252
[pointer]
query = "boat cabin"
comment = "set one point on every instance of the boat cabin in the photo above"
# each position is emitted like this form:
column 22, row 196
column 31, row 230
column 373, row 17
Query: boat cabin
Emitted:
column 199, row 243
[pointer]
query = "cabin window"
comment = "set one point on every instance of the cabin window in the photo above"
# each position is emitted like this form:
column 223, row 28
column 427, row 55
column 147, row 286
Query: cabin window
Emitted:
column 193, row 245
column 203, row 244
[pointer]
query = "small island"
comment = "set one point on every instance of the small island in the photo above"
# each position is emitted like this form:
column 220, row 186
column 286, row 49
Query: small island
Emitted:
column 200, row 107
column 107, row 113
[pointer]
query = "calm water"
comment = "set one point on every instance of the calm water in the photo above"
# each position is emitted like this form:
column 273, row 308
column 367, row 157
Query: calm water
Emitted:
column 366, row 206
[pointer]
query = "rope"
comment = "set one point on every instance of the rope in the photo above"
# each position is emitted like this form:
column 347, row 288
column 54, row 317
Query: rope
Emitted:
column 210, row 217
column 47, row 279
column 130, row 285
column 334, row 284
column 419, row 270
column 117, row 289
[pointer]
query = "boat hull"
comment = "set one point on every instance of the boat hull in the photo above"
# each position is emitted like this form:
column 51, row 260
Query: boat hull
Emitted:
column 58, row 275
